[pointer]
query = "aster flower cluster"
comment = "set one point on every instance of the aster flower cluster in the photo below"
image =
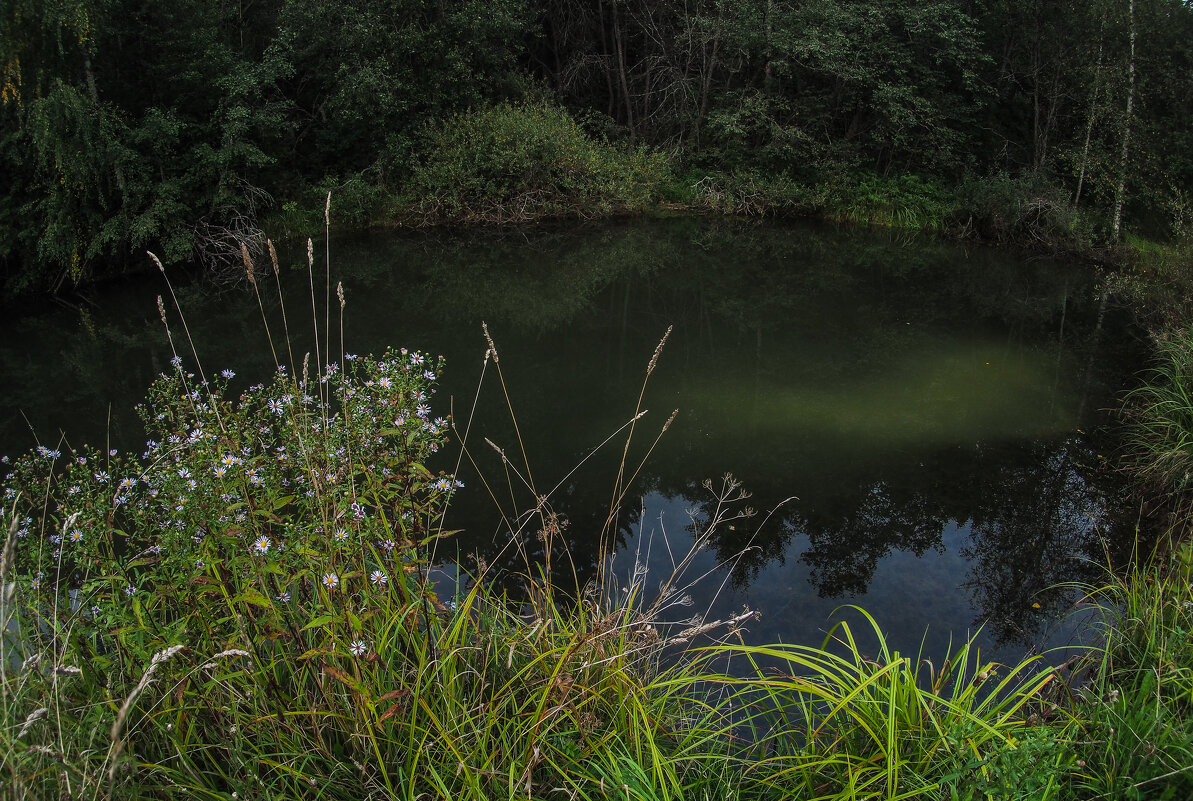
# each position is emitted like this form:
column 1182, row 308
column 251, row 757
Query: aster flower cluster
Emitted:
column 308, row 489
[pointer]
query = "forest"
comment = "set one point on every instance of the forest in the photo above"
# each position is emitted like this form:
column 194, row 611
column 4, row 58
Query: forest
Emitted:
column 190, row 126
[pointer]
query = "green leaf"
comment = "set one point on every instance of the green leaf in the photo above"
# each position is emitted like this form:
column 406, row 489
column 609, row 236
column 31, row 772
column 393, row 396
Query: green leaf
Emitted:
column 322, row 620
column 252, row 596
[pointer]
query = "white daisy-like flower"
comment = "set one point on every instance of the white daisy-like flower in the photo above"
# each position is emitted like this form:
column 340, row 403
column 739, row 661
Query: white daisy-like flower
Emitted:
column 331, row 580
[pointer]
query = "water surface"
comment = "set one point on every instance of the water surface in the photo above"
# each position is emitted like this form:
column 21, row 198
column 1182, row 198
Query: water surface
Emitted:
column 918, row 424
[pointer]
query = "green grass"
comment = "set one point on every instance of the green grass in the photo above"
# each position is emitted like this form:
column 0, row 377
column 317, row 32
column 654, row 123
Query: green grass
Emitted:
column 1134, row 732
column 1159, row 432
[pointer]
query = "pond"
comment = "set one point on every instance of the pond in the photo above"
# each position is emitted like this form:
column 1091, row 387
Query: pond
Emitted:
column 921, row 427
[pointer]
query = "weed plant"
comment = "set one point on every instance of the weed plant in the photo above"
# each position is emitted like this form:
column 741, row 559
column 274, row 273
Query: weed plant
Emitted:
column 1134, row 722
column 245, row 610
column 1160, row 428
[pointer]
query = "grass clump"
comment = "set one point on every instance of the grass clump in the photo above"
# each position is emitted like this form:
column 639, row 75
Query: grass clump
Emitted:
column 1160, row 429
column 1134, row 735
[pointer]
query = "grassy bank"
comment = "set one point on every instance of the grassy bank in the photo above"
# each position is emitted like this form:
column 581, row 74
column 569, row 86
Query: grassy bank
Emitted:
column 249, row 608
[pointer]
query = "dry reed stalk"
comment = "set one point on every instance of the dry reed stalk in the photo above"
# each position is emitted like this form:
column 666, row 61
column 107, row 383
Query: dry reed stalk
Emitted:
column 314, row 314
column 277, row 277
column 118, row 726
column 250, row 273
column 620, row 484
column 190, row 340
column 492, row 347
column 248, row 264
column 326, row 282
column 34, row 716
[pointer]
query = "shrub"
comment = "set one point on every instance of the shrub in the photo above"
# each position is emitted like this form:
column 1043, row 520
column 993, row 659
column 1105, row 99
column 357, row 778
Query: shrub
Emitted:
column 1022, row 210
column 519, row 162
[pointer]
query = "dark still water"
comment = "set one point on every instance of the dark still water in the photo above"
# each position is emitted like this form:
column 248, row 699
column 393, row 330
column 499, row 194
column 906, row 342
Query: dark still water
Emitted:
column 918, row 425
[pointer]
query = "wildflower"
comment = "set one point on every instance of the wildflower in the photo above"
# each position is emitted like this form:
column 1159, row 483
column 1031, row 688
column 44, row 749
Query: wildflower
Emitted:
column 227, row 373
column 184, row 473
column 384, row 382
column 422, row 410
column 418, row 395
column 388, row 545
column 379, row 578
column 76, row 535
column 102, row 477
column 416, row 359
column 129, row 590
column 341, row 535
column 284, row 597
column 358, row 648
column 73, row 490
column 127, row 483
column 219, row 470
column 155, row 549
column 262, row 544
column 331, row 580
column 399, row 421
column 430, row 376
column 176, row 360
column 36, row 582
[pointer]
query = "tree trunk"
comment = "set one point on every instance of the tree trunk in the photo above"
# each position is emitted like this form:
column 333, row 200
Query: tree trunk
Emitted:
column 621, row 72
column 1089, row 126
column 1120, row 192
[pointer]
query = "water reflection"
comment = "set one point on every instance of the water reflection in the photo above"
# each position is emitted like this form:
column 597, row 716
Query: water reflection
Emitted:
column 926, row 408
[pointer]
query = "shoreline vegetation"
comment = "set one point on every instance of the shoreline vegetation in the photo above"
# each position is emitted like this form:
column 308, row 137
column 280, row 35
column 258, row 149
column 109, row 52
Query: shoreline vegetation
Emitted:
column 520, row 164
column 248, row 609
column 187, row 129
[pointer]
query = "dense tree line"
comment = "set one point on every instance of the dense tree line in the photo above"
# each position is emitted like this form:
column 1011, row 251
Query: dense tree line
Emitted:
column 181, row 124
